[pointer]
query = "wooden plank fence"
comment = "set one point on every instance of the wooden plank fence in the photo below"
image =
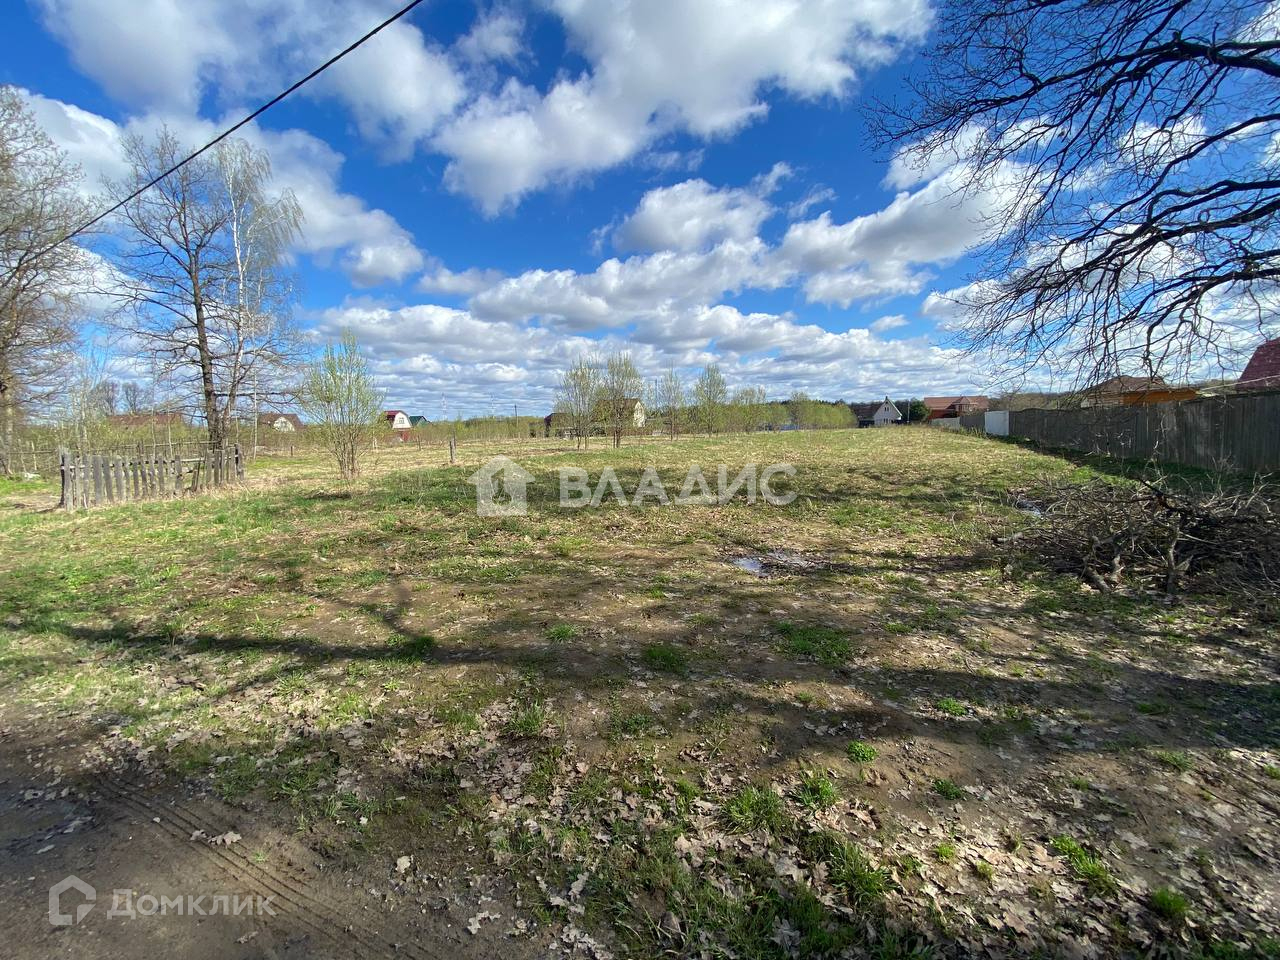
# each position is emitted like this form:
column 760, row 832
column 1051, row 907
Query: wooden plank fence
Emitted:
column 94, row 479
column 1234, row 432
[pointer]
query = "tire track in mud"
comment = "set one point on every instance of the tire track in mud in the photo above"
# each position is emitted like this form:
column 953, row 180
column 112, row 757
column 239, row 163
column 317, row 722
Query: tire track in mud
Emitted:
column 332, row 921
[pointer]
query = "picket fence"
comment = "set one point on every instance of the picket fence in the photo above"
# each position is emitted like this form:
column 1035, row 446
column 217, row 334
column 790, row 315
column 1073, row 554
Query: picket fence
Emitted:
column 95, row 479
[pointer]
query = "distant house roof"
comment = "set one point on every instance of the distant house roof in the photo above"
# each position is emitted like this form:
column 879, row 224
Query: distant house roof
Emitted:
column 391, row 414
column 1126, row 384
column 954, row 406
column 1263, row 369
column 417, row 419
column 864, row 411
column 146, row 420
column 269, row 419
column 939, row 403
column 943, row 403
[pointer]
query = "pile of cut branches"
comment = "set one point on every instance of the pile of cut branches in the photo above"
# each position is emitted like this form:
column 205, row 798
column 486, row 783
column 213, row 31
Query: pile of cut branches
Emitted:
column 1159, row 533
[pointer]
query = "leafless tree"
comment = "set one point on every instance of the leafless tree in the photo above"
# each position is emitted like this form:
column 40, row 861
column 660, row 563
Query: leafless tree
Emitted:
column 620, row 391
column 204, row 271
column 578, row 397
column 1125, row 148
column 671, row 398
column 710, row 393
column 39, row 282
column 135, row 397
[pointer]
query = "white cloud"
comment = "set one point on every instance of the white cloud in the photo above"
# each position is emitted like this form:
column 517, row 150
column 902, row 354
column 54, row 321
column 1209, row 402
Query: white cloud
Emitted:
column 879, row 254
column 893, row 322
column 431, row 358
column 814, row 196
column 165, row 55
column 693, row 214
column 662, row 66
column 493, row 37
column 464, row 282
column 618, row 291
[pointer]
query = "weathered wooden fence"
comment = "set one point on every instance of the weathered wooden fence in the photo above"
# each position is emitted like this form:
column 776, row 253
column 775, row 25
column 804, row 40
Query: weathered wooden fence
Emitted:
column 93, row 479
column 1238, row 432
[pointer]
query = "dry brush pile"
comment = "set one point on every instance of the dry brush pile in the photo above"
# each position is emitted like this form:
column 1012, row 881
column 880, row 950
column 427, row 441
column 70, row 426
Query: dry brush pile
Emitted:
column 1161, row 533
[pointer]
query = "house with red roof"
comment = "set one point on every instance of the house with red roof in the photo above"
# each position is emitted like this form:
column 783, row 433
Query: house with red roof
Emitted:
column 1263, row 370
column 940, row 407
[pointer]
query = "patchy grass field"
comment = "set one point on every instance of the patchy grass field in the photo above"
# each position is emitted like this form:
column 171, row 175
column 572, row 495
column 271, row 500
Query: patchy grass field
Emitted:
column 839, row 727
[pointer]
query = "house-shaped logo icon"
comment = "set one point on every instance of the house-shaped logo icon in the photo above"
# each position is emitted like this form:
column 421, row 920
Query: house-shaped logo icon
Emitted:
column 56, row 915
column 500, row 488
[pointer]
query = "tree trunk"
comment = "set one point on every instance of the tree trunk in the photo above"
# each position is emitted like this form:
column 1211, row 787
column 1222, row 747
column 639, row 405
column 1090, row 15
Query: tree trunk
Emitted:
column 212, row 414
column 8, row 419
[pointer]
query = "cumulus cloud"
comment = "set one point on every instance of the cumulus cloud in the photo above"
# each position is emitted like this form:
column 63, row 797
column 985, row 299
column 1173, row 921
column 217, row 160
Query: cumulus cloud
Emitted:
column 658, row 67
column 694, row 214
column 494, row 37
column 464, row 282
column 881, row 254
column 651, row 69
column 893, row 322
column 431, row 358
column 618, row 291
column 169, row 56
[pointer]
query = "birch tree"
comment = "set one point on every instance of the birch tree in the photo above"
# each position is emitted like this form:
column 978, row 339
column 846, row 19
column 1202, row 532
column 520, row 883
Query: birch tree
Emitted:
column 204, row 272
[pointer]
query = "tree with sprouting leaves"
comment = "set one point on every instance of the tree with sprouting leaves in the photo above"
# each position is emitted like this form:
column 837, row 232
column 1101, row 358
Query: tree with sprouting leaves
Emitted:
column 710, row 393
column 578, row 396
column 342, row 405
column 204, row 271
column 620, row 389
column 671, row 400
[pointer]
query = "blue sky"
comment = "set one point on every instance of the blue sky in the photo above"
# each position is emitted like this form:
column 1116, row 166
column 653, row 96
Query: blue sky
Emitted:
column 491, row 190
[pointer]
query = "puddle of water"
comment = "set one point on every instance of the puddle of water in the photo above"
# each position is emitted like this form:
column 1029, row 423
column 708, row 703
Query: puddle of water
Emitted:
column 775, row 562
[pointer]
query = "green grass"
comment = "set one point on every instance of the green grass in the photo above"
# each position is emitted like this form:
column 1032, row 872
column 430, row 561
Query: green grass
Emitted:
column 948, row 790
column 945, row 852
column 823, row 644
column 388, row 608
column 1178, row 760
column 631, row 723
column 754, row 808
column 1169, row 904
column 815, row 792
column 666, row 657
column 861, row 752
column 561, row 632
column 863, row 884
column 1088, row 868
column 529, row 721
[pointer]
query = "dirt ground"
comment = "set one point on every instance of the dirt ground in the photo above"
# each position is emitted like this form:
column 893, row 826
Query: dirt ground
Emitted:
column 843, row 727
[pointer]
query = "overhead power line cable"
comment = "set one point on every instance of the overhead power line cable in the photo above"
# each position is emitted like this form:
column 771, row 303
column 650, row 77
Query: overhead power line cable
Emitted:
column 232, row 129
